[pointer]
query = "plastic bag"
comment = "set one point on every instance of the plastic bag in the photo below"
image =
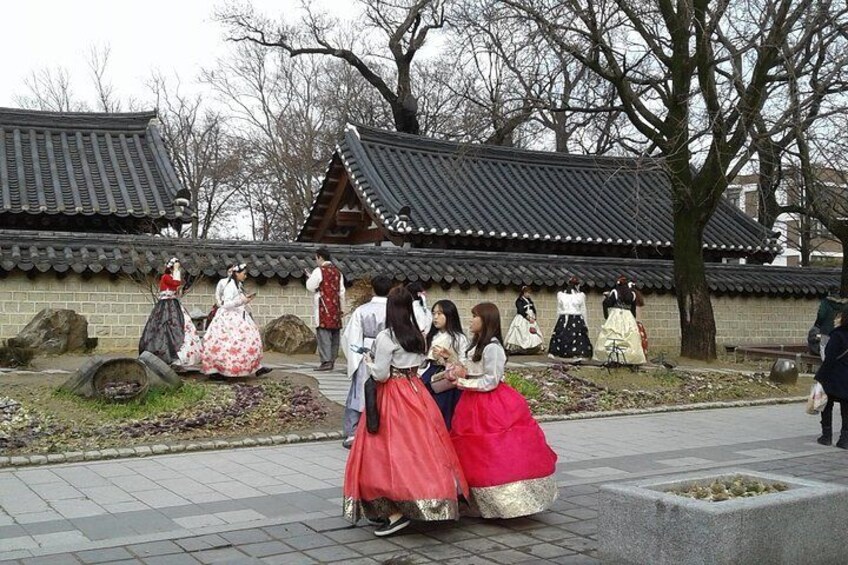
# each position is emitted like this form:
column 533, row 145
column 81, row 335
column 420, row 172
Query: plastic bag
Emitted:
column 817, row 399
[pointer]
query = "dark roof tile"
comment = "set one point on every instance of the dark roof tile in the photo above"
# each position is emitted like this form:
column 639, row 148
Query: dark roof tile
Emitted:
column 85, row 164
column 505, row 193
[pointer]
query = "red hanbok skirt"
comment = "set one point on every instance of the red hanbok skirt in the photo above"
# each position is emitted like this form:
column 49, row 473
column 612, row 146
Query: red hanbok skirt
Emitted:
column 409, row 466
column 506, row 459
column 643, row 335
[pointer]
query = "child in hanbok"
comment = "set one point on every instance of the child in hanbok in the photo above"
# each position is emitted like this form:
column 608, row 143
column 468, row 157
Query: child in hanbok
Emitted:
column 570, row 338
column 523, row 335
column 169, row 333
column 232, row 346
column 447, row 347
column 619, row 341
column 506, row 459
column 406, row 470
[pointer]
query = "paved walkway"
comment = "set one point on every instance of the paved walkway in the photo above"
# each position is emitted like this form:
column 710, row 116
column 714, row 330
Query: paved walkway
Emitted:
column 336, row 384
column 281, row 504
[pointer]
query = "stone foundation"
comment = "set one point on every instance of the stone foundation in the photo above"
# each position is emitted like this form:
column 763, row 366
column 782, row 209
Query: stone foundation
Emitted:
column 117, row 309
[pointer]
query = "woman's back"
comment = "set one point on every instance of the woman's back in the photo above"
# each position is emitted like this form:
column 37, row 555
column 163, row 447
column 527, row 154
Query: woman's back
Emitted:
column 389, row 353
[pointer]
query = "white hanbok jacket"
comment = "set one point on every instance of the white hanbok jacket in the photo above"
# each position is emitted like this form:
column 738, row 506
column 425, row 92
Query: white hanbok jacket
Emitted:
column 361, row 330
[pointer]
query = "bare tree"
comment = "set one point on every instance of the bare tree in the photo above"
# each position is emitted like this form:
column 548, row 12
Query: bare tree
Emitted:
column 404, row 24
column 284, row 135
column 50, row 90
column 691, row 77
column 98, row 65
column 206, row 161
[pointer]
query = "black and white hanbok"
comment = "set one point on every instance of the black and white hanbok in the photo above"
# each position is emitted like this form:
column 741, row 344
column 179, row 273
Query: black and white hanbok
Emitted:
column 570, row 338
column 523, row 335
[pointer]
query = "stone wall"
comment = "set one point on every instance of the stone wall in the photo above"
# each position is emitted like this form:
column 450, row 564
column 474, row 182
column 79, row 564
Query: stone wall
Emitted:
column 117, row 309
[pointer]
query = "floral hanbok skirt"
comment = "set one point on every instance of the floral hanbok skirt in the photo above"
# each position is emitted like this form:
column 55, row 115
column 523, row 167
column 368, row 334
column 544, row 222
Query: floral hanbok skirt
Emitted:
column 619, row 340
column 409, row 466
column 523, row 336
column 232, row 346
column 170, row 335
column 570, row 338
column 508, row 463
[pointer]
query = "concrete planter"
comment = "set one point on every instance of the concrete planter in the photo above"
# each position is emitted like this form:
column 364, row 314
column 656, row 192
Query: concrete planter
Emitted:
column 641, row 523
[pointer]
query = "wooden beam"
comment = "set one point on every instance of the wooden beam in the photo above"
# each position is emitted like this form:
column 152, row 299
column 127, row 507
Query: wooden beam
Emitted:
column 332, row 206
column 368, row 236
column 350, row 218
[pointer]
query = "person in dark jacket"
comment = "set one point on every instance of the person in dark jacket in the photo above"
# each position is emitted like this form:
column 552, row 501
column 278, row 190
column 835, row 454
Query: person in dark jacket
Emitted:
column 829, row 308
column 833, row 376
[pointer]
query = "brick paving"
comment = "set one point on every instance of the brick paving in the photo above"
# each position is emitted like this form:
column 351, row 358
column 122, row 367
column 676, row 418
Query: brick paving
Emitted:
column 281, row 504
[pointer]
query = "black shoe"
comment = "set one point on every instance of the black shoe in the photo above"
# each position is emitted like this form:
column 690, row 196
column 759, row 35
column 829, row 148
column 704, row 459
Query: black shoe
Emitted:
column 843, row 441
column 263, row 371
column 392, row 527
column 324, row 367
column 348, row 443
column 825, row 440
column 378, row 521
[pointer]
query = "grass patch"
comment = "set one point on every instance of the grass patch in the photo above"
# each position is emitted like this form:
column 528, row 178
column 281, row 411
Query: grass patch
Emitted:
column 528, row 389
column 156, row 401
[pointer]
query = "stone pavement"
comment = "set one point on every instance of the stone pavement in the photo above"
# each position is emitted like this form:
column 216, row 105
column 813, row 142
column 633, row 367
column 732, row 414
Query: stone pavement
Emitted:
column 335, row 384
column 281, row 504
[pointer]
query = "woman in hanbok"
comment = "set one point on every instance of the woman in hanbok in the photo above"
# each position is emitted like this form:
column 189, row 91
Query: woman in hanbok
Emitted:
column 570, row 338
column 619, row 341
column 523, row 335
column 408, row 469
column 447, row 347
column 508, row 463
column 232, row 345
column 169, row 333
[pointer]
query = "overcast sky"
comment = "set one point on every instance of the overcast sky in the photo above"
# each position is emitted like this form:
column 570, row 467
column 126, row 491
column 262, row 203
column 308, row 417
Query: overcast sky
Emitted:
column 171, row 36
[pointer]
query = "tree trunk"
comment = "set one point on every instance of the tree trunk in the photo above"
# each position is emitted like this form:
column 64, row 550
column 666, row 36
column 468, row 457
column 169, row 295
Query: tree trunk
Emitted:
column 697, row 321
column 843, row 282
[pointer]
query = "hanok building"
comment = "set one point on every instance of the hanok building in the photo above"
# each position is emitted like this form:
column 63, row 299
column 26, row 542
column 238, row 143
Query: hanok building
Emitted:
column 85, row 197
column 425, row 193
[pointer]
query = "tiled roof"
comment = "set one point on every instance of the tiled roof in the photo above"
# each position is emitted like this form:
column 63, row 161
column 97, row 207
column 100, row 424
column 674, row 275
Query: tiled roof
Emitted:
column 93, row 253
column 86, row 164
column 467, row 191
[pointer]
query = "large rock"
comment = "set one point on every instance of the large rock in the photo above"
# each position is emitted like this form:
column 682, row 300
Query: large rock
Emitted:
column 55, row 332
column 288, row 334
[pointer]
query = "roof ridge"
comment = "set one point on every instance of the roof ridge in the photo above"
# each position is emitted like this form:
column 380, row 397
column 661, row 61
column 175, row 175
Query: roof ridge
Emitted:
column 417, row 141
column 48, row 119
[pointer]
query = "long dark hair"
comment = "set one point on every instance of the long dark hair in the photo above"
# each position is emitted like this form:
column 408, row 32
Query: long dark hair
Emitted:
column 491, row 317
column 399, row 319
column 623, row 291
column 453, row 325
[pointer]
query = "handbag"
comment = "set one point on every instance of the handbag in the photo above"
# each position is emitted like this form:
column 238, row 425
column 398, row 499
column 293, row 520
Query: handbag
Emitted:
column 372, row 412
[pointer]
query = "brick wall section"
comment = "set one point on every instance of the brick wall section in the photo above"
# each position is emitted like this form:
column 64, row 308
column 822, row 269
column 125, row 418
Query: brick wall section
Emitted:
column 117, row 309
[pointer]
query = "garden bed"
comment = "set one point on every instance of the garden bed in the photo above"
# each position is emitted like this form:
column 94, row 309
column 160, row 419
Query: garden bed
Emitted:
column 555, row 391
column 37, row 419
